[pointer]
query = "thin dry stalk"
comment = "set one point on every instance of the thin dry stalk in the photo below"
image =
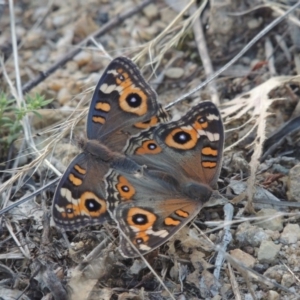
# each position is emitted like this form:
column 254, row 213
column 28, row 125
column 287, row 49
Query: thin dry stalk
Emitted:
column 254, row 163
column 203, row 52
column 234, row 284
column 146, row 262
column 283, row 46
column 24, row 250
column 292, row 273
column 270, row 56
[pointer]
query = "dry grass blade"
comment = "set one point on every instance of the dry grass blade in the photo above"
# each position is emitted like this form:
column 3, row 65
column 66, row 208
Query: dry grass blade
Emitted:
column 226, row 240
column 85, row 276
column 41, row 157
column 65, row 127
column 203, row 52
column 157, row 52
column 234, row 284
column 254, row 102
column 23, row 248
column 147, row 264
column 255, row 159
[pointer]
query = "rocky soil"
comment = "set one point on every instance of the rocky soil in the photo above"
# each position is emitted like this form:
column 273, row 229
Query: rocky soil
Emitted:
column 251, row 253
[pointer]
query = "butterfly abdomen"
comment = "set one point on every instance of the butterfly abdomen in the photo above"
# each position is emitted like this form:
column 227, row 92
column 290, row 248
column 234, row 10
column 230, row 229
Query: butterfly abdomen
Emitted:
column 99, row 150
column 197, row 191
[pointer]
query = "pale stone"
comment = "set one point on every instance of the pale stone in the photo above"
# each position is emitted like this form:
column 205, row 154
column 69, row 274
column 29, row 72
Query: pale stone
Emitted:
column 174, row 73
column 273, row 295
column 271, row 222
column 72, row 66
column 151, row 11
column 290, row 234
column 84, row 26
column 63, row 96
column 59, row 21
column 288, row 280
column 254, row 23
column 56, row 84
column 268, row 252
column 34, row 39
column 137, row 266
column 83, row 58
column 293, row 185
column 247, row 234
column 245, row 258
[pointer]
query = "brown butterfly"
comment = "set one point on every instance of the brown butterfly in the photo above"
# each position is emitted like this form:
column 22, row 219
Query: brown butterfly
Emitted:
column 149, row 176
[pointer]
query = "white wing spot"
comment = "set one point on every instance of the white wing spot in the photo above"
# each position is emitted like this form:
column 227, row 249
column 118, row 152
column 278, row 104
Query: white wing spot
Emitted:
column 216, row 136
column 144, row 247
column 211, row 117
column 187, row 128
column 211, row 136
column 107, row 89
column 67, row 194
column 201, row 133
column 114, row 72
column 135, row 229
column 161, row 233
column 60, row 209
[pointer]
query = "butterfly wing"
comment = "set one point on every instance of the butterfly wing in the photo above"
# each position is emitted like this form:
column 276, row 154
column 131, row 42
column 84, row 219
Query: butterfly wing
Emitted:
column 149, row 209
column 123, row 103
column 191, row 146
column 80, row 197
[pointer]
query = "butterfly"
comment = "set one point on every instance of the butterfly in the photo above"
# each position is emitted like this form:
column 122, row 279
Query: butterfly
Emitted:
column 149, row 175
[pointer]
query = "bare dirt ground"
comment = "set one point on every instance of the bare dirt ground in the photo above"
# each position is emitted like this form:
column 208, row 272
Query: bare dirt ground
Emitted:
column 247, row 249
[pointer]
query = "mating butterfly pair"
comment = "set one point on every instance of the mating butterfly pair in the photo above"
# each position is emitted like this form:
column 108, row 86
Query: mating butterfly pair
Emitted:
column 149, row 175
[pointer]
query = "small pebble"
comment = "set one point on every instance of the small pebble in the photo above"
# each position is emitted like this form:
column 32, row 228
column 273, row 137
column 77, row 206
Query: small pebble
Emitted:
column 72, row 66
column 245, row 258
column 290, row 234
column 84, row 27
column 268, row 252
column 56, row 84
column 174, row 73
column 151, row 11
column 66, row 39
column 34, row 39
column 254, row 23
column 83, row 58
column 42, row 54
column 63, row 96
column 275, row 272
column 288, row 280
column 293, row 185
column 247, row 234
column 137, row 266
column 273, row 295
column 271, row 222
column 59, row 21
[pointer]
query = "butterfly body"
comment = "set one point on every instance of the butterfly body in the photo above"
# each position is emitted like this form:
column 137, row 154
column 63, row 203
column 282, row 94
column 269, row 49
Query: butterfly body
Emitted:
column 151, row 177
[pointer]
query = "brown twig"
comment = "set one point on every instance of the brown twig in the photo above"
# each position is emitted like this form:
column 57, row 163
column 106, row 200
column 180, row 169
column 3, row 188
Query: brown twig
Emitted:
column 115, row 21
